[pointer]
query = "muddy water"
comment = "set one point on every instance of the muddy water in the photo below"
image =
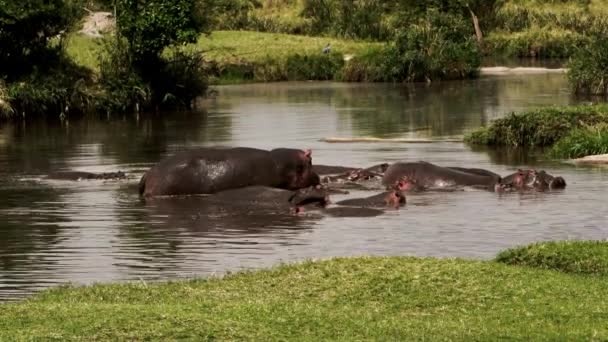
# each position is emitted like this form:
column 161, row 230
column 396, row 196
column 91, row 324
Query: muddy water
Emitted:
column 52, row 232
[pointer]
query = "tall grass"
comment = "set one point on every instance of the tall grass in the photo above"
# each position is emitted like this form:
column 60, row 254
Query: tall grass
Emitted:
column 588, row 68
column 544, row 28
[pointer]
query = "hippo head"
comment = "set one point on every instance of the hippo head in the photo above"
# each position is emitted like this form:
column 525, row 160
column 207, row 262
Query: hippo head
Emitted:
column 394, row 199
column 313, row 195
column 294, row 168
column 544, row 181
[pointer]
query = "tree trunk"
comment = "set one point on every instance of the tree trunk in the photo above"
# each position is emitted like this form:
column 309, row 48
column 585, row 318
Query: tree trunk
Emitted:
column 476, row 25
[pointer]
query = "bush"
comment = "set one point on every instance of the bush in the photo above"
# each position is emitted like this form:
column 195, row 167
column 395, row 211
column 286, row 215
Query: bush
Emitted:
column 588, row 68
column 438, row 47
column 123, row 89
column 582, row 142
column 579, row 257
column 542, row 127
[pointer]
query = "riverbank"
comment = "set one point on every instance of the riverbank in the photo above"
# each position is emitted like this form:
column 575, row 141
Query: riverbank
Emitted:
column 345, row 299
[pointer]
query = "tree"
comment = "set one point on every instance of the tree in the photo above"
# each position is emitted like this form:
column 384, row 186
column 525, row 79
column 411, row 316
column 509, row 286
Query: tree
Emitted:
column 26, row 27
column 149, row 26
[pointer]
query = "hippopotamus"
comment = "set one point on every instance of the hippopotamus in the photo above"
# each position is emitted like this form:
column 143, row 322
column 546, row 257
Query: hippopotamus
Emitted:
column 529, row 179
column 83, row 175
column 273, row 198
column 391, row 199
column 423, row 175
column 210, row 170
column 311, row 199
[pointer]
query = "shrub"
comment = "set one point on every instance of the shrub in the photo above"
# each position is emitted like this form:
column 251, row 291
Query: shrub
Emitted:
column 542, row 127
column 438, row 47
column 579, row 257
column 320, row 67
column 582, row 142
column 123, row 89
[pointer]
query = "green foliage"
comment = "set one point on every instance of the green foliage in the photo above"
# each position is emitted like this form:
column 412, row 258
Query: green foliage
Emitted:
column 582, row 142
column 588, row 68
column 348, row 299
column 25, row 30
column 579, row 257
column 542, row 127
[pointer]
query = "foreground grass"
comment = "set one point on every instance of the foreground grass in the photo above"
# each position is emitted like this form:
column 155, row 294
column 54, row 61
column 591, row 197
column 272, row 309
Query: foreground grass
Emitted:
column 574, row 130
column 396, row 298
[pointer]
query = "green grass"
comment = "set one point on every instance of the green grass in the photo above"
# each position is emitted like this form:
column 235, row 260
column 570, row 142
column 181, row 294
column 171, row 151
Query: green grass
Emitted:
column 238, row 56
column 577, row 257
column 538, row 128
column 390, row 298
column 235, row 46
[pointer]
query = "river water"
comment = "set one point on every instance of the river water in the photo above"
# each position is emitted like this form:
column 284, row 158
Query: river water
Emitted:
column 53, row 232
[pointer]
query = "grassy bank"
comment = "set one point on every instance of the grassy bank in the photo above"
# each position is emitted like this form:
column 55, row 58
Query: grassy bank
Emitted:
column 571, row 131
column 240, row 56
column 340, row 299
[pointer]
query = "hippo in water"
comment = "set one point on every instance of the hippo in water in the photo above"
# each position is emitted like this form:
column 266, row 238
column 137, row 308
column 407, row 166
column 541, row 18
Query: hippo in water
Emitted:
column 530, row 179
column 422, row 175
column 390, row 199
column 210, row 170
column 280, row 200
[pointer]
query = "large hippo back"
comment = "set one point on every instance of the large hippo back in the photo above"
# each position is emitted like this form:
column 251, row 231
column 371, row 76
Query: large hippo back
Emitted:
column 431, row 175
column 209, row 170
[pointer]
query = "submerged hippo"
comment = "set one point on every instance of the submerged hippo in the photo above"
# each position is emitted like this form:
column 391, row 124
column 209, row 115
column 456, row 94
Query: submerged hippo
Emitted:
column 390, row 199
column 281, row 200
column 210, row 170
column 82, row 175
column 422, row 175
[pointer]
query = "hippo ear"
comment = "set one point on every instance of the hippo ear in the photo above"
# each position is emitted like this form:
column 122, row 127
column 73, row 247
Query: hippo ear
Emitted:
column 308, row 153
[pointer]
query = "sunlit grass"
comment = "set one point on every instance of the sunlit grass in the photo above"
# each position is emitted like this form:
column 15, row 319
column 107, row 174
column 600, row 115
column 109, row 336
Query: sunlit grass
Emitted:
column 392, row 298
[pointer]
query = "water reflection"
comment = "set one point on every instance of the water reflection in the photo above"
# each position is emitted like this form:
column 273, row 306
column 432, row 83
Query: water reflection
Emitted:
column 95, row 231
